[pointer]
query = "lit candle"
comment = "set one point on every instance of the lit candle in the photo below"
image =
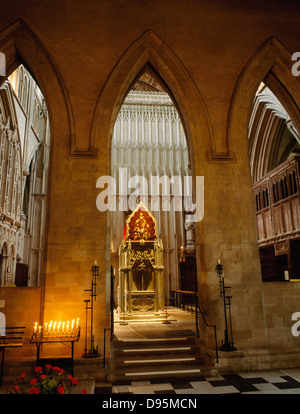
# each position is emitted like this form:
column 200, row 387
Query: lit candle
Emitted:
column 219, row 261
column 68, row 326
column 46, row 326
column 72, row 325
column 40, row 329
column 35, row 328
column 63, row 327
column 96, row 262
column 77, row 323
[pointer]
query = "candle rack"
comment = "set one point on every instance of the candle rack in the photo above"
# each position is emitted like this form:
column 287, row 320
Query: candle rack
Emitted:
column 63, row 333
column 56, row 332
column 91, row 352
column 226, row 345
column 55, row 337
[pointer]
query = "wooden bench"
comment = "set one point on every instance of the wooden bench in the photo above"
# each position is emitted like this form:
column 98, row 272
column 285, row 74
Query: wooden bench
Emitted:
column 11, row 339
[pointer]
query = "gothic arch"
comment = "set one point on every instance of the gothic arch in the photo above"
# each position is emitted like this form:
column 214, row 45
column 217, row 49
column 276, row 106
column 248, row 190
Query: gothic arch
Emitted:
column 3, row 262
column 21, row 46
column 4, row 248
column 10, row 115
column 149, row 51
column 272, row 64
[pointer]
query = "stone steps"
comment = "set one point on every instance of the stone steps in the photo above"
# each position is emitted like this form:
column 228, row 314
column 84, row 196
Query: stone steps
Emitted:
column 167, row 358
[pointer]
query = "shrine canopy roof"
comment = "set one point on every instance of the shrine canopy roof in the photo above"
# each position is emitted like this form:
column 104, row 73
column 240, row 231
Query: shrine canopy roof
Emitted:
column 140, row 225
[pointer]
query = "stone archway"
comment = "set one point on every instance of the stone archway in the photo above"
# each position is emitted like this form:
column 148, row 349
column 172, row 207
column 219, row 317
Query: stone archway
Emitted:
column 149, row 52
column 22, row 46
column 272, row 64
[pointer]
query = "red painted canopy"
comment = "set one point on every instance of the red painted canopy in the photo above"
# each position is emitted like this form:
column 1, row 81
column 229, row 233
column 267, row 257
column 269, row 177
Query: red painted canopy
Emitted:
column 140, row 225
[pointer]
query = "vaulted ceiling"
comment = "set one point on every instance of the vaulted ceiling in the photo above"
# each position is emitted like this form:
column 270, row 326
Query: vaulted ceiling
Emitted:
column 272, row 135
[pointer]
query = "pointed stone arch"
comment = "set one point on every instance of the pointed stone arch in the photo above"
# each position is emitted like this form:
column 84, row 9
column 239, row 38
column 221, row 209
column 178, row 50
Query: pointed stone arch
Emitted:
column 150, row 52
column 3, row 262
column 272, row 64
column 22, row 46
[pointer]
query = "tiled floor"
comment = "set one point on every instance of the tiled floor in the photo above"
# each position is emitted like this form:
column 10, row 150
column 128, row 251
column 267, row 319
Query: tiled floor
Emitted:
column 267, row 382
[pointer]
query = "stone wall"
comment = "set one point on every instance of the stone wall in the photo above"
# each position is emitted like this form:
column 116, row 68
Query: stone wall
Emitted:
column 281, row 301
column 212, row 56
column 22, row 308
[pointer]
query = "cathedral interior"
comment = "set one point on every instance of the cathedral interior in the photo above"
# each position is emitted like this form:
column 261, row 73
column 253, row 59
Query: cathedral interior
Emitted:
column 150, row 155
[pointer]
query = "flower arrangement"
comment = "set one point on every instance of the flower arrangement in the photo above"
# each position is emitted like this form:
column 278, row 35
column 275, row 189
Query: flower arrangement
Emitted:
column 50, row 380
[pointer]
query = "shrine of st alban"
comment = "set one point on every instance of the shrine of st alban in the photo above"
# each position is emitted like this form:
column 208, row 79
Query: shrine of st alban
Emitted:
column 149, row 188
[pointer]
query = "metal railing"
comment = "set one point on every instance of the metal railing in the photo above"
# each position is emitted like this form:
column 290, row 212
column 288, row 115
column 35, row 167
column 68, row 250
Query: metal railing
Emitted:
column 188, row 301
column 104, row 345
column 209, row 326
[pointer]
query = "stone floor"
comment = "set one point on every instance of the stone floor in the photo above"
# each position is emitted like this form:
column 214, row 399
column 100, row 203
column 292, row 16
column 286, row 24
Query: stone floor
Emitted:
column 179, row 323
column 260, row 382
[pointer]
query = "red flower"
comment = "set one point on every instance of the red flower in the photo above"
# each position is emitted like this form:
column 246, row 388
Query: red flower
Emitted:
column 60, row 389
column 84, row 391
column 34, row 390
column 65, row 381
column 74, row 381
